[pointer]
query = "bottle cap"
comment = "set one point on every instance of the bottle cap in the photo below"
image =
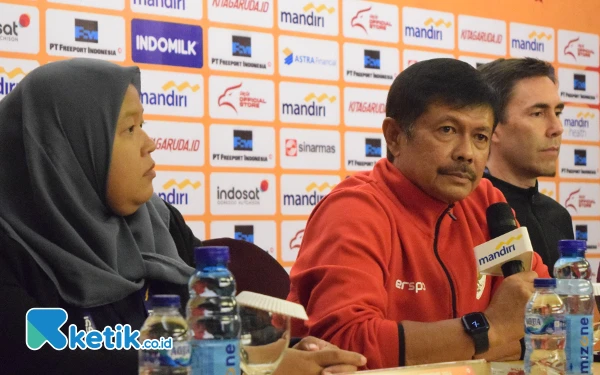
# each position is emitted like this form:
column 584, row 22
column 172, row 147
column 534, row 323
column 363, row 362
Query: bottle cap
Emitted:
column 211, row 255
column 166, row 300
column 544, row 283
column 572, row 248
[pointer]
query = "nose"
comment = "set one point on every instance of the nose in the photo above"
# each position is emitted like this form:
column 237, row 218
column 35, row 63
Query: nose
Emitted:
column 463, row 151
column 555, row 127
column 149, row 146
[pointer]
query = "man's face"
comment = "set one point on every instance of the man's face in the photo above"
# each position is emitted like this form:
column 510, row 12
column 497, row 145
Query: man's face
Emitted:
column 447, row 151
column 528, row 140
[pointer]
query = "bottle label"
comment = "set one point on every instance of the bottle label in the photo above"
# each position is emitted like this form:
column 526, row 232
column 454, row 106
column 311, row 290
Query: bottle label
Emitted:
column 580, row 342
column 178, row 356
column 539, row 324
column 216, row 357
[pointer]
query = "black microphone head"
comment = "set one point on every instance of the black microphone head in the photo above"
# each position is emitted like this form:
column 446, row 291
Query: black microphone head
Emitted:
column 500, row 219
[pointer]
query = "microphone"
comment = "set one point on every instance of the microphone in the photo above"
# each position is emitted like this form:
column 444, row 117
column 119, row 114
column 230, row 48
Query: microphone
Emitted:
column 510, row 250
column 501, row 220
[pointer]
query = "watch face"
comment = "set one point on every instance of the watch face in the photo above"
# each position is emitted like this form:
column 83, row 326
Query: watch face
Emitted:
column 476, row 322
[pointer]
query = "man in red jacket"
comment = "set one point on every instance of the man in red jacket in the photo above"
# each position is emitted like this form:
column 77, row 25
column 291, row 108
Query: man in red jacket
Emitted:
column 387, row 267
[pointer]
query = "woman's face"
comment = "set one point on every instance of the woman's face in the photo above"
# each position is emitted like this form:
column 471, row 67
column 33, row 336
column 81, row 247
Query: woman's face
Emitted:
column 132, row 168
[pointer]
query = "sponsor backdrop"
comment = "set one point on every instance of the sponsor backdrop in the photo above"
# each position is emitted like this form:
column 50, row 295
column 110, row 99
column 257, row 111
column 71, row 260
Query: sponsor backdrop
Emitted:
column 260, row 107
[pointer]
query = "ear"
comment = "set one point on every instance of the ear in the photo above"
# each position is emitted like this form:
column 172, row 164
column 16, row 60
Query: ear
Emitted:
column 497, row 134
column 393, row 134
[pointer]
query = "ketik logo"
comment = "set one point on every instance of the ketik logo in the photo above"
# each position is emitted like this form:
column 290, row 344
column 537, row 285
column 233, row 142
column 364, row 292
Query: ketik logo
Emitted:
column 166, row 43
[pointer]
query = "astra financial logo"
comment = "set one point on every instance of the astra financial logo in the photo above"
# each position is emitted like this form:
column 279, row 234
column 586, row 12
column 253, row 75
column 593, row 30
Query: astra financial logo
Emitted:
column 171, row 96
column 372, row 147
column 372, row 59
column 166, row 43
column 86, row 31
column 241, row 46
column 580, row 157
column 290, row 58
column 244, row 233
column 579, row 83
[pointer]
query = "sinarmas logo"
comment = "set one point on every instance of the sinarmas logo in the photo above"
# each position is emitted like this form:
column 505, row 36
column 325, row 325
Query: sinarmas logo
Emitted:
column 42, row 325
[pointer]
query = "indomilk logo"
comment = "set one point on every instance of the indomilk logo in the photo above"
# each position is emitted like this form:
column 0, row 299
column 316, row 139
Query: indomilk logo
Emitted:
column 535, row 42
column 372, row 59
column 309, row 199
column 428, row 32
column 306, row 18
column 580, row 157
column 244, row 233
column 86, row 31
column 241, row 46
column 502, row 249
column 10, row 32
column 175, row 197
column 313, row 109
column 242, row 140
column 373, row 147
column 171, row 96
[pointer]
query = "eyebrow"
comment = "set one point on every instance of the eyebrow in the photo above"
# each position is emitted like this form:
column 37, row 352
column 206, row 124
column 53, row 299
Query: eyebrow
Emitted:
column 546, row 106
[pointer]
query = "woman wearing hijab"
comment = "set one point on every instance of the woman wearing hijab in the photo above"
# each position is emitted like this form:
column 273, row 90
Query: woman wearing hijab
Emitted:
column 80, row 226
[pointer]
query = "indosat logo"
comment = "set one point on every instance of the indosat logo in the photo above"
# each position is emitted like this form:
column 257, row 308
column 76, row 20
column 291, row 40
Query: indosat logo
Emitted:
column 291, row 58
column 309, row 17
column 314, row 109
column 535, row 42
column 43, row 325
column 233, row 195
column 172, row 95
column 433, row 30
column 173, row 191
column 314, row 194
column 9, row 32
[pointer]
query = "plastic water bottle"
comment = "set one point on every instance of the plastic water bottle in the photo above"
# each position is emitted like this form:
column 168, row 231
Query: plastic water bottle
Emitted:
column 213, row 314
column 165, row 322
column 575, row 288
column 544, row 330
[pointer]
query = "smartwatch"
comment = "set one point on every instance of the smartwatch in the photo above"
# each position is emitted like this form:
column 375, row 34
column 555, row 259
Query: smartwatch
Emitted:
column 477, row 326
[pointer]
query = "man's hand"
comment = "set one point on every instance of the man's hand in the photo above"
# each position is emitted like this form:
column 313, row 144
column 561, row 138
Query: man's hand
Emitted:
column 312, row 356
column 506, row 311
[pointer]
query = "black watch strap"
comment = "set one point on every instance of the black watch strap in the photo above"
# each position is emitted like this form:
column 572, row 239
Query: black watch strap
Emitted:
column 477, row 326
